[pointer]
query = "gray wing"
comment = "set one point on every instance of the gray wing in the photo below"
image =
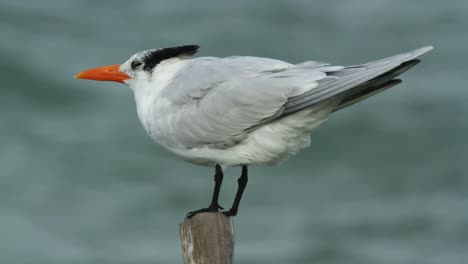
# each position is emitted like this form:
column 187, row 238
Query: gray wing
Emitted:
column 217, row 101
column 214, row 101
column 347, row 78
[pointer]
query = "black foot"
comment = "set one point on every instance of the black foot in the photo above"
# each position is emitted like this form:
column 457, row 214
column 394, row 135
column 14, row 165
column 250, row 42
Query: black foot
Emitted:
column 211, row 209
column 242, row 183
column 214, row 205
column 230, row 213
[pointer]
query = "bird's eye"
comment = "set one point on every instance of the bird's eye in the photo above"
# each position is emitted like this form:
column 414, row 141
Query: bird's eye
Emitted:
column 136, row 64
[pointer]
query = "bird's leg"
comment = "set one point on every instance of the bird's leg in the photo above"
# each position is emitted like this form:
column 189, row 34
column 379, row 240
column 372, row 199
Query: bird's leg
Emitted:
column 218, row 178
column 214, row 206
column 242, row 182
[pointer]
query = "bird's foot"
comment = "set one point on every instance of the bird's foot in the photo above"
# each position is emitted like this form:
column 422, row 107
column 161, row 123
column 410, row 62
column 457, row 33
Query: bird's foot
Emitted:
column 230, row 212
column 211, row 209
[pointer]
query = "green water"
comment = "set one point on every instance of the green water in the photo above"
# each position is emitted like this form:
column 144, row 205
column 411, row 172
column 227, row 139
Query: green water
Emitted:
column 385, row 181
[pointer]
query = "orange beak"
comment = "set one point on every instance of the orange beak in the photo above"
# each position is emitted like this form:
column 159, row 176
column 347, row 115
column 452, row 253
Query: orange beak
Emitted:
column 104, row 73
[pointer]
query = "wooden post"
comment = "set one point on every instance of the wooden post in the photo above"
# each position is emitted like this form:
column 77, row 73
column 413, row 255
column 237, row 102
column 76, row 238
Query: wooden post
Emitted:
column 207, row 238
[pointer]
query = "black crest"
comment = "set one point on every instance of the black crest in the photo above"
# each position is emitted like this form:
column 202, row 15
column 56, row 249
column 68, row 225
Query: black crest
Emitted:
column 154, row 57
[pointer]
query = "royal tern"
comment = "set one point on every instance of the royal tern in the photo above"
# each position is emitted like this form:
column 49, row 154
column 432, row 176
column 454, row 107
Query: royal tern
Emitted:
column 241, row 111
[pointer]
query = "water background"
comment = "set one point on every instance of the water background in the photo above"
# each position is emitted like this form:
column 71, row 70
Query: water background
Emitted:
column 385, row 181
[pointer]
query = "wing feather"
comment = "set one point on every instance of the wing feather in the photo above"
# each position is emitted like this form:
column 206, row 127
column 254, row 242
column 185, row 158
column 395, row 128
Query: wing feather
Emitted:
column 349, row 78
column 216, row 102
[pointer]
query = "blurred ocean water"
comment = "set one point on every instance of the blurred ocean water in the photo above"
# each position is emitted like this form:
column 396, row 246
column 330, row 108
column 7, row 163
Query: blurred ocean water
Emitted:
column 385, row 181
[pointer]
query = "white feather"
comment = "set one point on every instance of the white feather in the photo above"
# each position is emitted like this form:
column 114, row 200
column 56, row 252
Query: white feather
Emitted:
column 230, row 111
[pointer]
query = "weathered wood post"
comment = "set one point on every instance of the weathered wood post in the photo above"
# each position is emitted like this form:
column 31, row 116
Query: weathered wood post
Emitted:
column 207, row 238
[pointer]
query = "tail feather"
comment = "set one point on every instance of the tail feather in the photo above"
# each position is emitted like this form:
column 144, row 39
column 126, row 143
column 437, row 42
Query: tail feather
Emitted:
column 375, row 85
column 341, row 82
column 345, row 86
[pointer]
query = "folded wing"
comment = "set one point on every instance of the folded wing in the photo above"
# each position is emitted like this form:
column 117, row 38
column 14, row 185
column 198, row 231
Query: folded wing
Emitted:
column 217, row 102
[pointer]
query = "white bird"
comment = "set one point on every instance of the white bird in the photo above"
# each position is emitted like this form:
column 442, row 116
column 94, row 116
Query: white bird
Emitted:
column 240, row 111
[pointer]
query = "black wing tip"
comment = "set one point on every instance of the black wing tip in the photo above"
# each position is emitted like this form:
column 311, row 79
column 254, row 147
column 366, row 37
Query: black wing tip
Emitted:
column 364, row 94
column 410, row 63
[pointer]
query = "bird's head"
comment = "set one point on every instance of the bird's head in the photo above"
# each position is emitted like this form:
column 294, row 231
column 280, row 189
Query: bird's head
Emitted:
column 139, row 67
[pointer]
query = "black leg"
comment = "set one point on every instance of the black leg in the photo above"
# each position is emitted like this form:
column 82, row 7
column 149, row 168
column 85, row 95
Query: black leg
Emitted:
column 214, row 206
column 218, row 178
column 242, row 182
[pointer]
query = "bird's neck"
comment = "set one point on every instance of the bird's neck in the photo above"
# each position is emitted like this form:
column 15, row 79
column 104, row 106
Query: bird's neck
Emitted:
column 162, row 75
column 148, row 93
